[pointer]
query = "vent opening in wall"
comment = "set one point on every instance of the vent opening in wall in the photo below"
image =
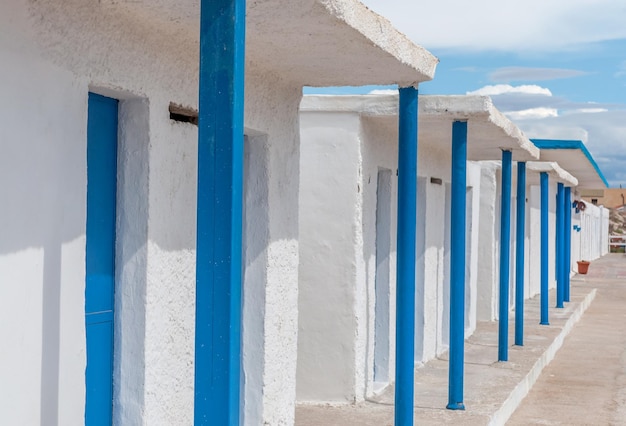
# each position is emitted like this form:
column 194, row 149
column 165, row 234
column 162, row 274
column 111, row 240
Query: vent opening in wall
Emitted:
column 183, row 114
column 436, row 181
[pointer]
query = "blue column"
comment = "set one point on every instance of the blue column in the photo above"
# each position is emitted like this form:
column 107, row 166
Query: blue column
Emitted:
column 505, row 257
column 559, row 245
column 567, row 210
column 457, row 265
column 543, row 176
column 405, row 292
column 219, row 221
column 519, row 253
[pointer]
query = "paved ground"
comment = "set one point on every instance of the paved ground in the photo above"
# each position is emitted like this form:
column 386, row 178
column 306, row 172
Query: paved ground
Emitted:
column 587, row 377
column 586, row 382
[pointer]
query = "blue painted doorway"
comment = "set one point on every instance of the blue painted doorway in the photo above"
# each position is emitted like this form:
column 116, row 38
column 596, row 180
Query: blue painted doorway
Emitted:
column 100, row 256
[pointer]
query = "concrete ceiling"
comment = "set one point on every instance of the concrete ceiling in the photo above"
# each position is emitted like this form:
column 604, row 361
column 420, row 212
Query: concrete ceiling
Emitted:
column 574, row 157
column 489, row 131
column 308, row 42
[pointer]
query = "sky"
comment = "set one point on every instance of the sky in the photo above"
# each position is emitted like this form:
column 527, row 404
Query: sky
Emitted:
column 557, row 68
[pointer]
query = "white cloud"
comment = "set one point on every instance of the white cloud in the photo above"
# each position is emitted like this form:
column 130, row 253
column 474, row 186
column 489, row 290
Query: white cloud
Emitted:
column 528, row 102
column 587, row 111
column 500, row 89
column 602, row 132
column 532, row 113
column 383, row 92
column 518, row 25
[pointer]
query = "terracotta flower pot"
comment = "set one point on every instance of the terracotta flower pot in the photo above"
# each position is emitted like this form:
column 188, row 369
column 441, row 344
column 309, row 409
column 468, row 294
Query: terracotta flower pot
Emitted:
column 583, row 266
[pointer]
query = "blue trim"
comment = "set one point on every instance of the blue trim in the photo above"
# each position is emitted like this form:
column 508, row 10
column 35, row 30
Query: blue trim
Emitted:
column 570, row 144
column 543, row 176
column 405, row 265
column 102, row 115
column 219, row 226
column 519, row 253
column 559, row 245
column 568, row 241
column 505, row 257
column 457, row 265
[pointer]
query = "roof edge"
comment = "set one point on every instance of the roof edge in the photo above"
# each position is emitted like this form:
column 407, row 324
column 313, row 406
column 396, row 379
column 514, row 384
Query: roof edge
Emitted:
column 570, row 144
column 386, row 37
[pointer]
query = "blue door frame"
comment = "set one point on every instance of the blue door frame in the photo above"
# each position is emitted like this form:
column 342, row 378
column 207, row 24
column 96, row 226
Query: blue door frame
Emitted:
column 100, row 257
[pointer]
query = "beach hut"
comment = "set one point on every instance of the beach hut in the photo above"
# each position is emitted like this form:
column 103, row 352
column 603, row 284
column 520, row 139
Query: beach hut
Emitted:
column 127, row 231
column 348, row 176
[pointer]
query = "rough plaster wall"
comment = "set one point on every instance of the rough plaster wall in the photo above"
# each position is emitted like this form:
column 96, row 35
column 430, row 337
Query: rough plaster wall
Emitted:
column 330, row 168
column 552, row 188
column 534, row 224
column 473, row 221
column 421, row 307
column 55, row 54
column 256, row 239
column 527, row 246
column 433, row 162
column 170, row 293
column 495, row 302
column 43, row 170
column 528, row 262
column 379, row 152
column 486, row 245
column 443, row 291
column 78, row 37
column 513, row 243
column 534, row 230
column 131, row 262
column 272, row 109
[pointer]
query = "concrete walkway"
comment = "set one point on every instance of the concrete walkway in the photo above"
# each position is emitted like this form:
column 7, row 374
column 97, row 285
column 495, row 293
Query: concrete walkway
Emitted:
column 586, row 382
column 494, row 390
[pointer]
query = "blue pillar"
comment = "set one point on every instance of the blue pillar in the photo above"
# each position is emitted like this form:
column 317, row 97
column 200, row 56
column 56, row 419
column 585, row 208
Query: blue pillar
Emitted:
column 544, row 248
column 457, row 265
column 519, row 253
column 567, row 210
column 505, row 257
column 219, row 216
column 405, row 292
column 559, row 245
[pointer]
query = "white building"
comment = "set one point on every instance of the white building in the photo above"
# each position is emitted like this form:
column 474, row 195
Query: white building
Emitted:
column 347, row 276
column 60, row 61
column 347, row 198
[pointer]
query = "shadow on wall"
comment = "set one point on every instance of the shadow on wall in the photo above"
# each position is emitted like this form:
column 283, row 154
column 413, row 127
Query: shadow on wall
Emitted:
column 50, row 337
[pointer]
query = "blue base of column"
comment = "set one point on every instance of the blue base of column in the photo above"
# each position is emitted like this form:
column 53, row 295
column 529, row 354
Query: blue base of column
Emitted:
column 456, row 406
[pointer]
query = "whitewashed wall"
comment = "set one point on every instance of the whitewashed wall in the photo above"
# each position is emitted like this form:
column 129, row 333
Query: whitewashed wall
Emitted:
column 52, row 55
column 591, row 241
column 342, row 154
column 534, row 231
column 489, row 246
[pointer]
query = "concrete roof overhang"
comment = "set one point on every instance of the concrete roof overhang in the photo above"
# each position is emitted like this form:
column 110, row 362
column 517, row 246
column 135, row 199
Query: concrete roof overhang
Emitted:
column 533, row 168
column 574, row 156
column 489, row 131
column 308, row 42
column 555, row 172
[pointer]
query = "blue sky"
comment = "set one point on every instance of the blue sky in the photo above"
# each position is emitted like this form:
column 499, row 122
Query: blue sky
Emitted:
column 556, row 68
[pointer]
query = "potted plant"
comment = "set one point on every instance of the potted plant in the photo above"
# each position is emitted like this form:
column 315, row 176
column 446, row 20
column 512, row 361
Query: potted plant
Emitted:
column 583, row 266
